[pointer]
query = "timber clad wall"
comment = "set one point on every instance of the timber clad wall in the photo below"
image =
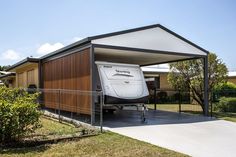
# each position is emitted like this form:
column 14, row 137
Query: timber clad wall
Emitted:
column 69, row 72
column 26, row 75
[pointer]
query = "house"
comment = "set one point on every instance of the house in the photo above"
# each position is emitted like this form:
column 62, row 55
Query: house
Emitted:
column 26, row 72
column 73, row 67
column 232, row 77
column 161, row 74
column 158, row 75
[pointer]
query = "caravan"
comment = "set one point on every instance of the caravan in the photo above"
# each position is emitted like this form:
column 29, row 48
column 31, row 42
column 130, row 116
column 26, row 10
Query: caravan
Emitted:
column 122, row 85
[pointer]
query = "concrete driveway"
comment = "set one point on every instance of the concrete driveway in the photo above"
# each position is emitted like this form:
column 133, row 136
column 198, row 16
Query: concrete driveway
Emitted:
column 192, row 135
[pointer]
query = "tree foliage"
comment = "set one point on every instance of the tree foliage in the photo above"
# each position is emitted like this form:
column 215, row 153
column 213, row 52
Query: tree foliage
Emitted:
column 189, row 76
column 4, row 68
column 19, row 114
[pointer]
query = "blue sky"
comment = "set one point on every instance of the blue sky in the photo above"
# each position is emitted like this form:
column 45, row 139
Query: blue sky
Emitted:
column 33, row 28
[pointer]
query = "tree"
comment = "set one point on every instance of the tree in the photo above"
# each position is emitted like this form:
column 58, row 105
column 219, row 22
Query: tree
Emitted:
column 3, row 68
column 189, row 76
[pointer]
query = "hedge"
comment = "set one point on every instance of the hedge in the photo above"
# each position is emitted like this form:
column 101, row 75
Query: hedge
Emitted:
column 224, row 90
column 19, row 114
column 226, row 104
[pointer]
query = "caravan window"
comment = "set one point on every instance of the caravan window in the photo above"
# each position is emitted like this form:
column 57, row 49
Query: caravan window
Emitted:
column 122, row 73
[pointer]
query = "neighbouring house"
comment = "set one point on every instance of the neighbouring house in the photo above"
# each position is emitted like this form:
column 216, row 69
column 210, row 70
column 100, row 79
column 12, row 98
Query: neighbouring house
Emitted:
column 73, row 67
column 160, row 90
column 26, row 72
column 158, row 75
column 8, row 79
column 157, row 79
column 232, row 77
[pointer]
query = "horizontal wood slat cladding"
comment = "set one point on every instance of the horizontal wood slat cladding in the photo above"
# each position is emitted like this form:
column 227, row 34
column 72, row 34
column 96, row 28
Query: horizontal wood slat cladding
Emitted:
column 69, row 72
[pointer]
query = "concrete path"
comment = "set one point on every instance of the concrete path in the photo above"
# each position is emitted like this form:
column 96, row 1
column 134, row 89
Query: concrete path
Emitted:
column 192, row 135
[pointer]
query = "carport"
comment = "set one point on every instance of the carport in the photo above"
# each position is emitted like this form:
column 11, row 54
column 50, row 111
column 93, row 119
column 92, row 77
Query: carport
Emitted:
column 148, row 45
column 72, row 68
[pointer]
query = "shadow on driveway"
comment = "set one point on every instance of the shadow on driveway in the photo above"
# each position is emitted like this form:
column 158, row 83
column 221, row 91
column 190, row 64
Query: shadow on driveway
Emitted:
column 128, row 118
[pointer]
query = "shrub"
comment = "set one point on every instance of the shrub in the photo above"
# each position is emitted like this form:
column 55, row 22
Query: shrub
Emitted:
column 226, row 105
column 19, row 114
column 224, row 90
column 162, row 97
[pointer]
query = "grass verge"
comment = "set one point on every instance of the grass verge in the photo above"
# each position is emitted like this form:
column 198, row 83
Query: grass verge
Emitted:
column 194, row 109
column 103, row 145
column 225, row 116
column 53, row 127
column 175, row 107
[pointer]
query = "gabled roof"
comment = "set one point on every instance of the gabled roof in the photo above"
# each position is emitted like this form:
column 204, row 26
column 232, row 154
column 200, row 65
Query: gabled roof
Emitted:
column 28, row 59
column 146, row 28
column 93, row 38
column 96, row 39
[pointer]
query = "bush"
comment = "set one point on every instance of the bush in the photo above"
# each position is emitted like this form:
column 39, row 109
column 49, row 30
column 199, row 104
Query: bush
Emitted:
column 162, row 97
column 226, row 105
column 19, row 114
column 224, row 90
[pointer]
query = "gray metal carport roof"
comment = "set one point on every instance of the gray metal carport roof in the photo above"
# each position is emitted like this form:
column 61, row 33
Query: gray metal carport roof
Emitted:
column 100, row 45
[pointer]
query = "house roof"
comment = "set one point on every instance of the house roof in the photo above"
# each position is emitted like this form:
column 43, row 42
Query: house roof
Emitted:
column 89, row 39
column 156, row 27
column 7, row 75
column 4, row 72
column 232, row 73
column 28, row 59
column 155, row 69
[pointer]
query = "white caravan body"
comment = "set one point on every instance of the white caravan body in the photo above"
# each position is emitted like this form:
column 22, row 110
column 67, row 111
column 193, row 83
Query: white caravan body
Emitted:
column 122, row 83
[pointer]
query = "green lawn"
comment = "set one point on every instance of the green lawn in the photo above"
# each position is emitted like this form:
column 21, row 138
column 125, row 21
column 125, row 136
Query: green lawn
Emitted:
column 194, row 109
column 175, row 107
column 225, row 116
column 103, row 145
column 53, row 127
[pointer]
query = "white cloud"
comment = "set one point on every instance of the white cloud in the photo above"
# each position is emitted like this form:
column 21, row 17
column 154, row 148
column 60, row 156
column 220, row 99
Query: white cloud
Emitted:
column 47, row 48
column 11, row 55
